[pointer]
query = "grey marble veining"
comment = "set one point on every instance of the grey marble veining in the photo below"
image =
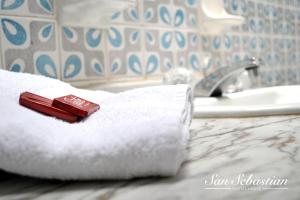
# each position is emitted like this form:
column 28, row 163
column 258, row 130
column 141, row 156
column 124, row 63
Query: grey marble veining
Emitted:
column 264, row 147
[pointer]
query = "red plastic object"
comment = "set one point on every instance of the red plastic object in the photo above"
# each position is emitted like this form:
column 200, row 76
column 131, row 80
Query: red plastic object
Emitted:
column 76, row 105
column 44, row 105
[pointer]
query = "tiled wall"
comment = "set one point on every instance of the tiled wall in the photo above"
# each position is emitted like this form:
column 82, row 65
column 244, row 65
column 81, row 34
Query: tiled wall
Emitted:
column 149, row 40
column 271, row 32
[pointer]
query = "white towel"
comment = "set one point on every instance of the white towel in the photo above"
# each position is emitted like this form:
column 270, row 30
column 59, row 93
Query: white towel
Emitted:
column 142, row 132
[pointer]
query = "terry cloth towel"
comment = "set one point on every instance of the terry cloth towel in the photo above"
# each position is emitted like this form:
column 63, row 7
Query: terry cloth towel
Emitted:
column 137, row 133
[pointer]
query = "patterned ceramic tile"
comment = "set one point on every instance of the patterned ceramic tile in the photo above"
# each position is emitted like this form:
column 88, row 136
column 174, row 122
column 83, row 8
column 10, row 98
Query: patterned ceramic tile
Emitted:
column 150, row 39
column 267, row 77
column 42, row 8
column 179, row 14
column 188, row 55
column 193, row 49
column 82, row 55
column 292, row 76
column 29, row 46
column 206, row 43
column 159, row 13
column 159, row 43
column 125, row 53
column 131, row 15
column 216, row 44
column 280, row 77
column 187, row 12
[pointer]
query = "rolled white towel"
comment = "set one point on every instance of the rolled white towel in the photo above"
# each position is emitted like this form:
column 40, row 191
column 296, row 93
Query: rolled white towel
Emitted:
column 137, row 133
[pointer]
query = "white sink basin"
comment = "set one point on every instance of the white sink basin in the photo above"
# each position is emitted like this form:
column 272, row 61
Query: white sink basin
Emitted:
column 281, row 100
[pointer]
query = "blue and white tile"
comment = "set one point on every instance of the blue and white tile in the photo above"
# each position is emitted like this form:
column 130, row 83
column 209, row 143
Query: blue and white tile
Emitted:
column 256, row 25
column 82, row 53
column 227, row 42
column 292, row 59
column 135, row 64
column 152, row 39
column 15, row 33
column 188, row 47
column 125, row 55
column 167, row 61
column 238, row 7
column 45, row 64
column 73, row 66
column 194, row 41
column 236, row 42
column 130, row 15
column 166, row 49
column 249, row 44
column 166, row 40
column 159, row 13
column 292, row 76
column 236, row 57
column 264, row 44
column 279, row 45
column 192, row 13
column 251, row 8
column 186, row 13
column 182, row 59
column 229, row 58
column 218, row 61
column 126, row 64
column 195, row 62
column 280, row 77
column 260, row 10
column 266, row 78
column 155, row 50
column 152, row 64
column 30, row 46
column 181, row 40
column 180, row 17
column 39, row 8
column 217, row 44
column 116, row 39
column 206, row 43
column 270, row 59
column 193, row 49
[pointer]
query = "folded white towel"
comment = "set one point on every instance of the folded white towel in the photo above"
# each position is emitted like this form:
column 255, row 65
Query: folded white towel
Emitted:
column 142, row 132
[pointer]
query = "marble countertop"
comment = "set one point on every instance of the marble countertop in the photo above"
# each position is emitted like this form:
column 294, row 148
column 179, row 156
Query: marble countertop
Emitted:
column 220, row 150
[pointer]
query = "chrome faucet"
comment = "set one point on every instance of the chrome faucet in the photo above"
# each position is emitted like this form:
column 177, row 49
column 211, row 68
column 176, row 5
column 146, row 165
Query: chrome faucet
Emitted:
column 213, row 85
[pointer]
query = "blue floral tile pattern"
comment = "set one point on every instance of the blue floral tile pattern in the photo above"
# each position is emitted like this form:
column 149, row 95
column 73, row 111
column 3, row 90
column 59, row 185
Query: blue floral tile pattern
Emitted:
column 157, row 12
column 125, row 56
column 82, row 53
column 20, row 55
column 193, row 52
column 159, row 56
column 43, row 8
column 150, row 39
column 186, row 13
column 130, row 15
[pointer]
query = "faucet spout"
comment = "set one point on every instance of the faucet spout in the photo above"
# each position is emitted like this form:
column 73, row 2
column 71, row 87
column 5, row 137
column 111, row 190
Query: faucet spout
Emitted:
column 211, row 86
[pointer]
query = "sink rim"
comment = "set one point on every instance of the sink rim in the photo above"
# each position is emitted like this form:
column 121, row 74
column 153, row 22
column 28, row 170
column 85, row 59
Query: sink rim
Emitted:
column 226, row 107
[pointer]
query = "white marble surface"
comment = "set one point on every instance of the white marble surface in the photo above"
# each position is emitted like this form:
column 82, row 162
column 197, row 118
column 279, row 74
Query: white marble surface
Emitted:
column 265, row 147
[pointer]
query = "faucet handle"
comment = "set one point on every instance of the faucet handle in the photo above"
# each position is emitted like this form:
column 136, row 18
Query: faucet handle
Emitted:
column 212, row 84
column 253, row 63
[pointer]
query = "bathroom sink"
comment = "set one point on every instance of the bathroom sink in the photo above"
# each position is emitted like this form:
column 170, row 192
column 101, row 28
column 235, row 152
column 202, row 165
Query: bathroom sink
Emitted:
column 280, row 100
